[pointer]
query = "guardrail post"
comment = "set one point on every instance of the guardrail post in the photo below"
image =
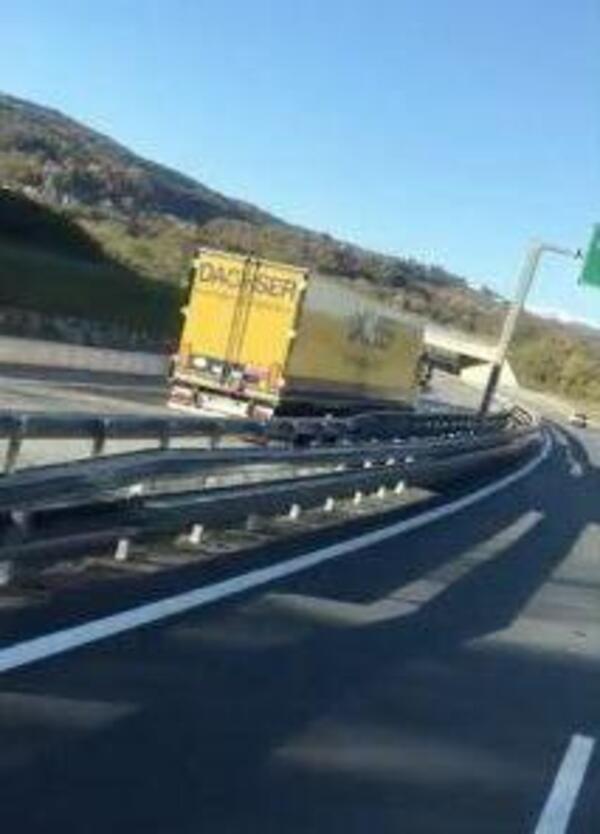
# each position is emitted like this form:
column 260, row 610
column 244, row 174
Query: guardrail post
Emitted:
column 15, row 441
column 294, row 513
column 252, row 523
column 215, row 437
column 329, row 505
column 99, row 438
column 164, row 438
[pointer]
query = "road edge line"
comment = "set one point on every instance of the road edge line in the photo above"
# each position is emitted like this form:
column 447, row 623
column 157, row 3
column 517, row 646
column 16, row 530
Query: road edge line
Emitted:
column 559, row 806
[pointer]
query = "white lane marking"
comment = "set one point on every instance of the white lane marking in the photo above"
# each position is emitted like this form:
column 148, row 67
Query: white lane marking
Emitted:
column 406, row 599
column 57, row 642
column 561, row 800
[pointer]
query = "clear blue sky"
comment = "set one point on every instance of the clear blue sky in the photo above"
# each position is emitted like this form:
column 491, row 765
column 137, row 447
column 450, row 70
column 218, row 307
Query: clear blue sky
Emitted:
column 448, row 130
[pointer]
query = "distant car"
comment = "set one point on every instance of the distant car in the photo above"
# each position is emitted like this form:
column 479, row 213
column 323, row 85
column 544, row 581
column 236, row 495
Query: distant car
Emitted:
column 579, row 419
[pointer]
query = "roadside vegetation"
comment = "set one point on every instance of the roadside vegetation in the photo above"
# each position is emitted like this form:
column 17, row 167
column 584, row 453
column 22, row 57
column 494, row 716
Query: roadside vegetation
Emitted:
column 50, row 265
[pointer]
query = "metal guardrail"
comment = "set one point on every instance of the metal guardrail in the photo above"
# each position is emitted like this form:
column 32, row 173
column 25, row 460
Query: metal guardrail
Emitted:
column 72, row 509
column 17, row 427
column 78, row 482
column 77, row 534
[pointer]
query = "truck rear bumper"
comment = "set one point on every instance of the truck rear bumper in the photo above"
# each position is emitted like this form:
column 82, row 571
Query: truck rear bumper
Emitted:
column 209, row 403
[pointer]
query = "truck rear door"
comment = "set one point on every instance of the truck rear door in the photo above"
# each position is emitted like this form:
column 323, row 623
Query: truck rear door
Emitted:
column 240, row 320
column 263, row 326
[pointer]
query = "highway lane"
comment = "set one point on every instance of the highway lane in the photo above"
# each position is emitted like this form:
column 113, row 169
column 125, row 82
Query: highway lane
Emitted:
column 60, row 389
column 432, row 682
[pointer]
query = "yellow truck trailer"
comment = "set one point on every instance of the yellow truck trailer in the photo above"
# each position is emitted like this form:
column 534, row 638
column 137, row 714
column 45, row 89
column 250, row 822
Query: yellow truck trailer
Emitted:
column 261, row 337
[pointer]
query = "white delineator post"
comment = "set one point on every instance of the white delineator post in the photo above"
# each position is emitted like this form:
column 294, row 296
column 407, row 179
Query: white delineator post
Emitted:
column 195, row 534
column 294, row 512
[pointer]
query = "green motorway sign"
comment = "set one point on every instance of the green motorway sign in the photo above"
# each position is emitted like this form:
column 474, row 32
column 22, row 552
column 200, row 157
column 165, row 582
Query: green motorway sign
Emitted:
column 590, row 274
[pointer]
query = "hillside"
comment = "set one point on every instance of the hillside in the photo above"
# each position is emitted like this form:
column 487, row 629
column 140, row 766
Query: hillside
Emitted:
column 67, row 163
column 49, row 264
column 133, row 225
column 152, row 216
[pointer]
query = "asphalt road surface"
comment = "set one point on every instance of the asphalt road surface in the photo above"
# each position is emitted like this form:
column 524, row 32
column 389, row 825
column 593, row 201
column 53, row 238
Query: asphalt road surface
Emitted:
column 29, row 388
column 443, row 678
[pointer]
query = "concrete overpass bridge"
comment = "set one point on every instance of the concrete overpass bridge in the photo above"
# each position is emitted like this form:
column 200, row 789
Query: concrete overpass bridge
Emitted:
column 465, row 355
